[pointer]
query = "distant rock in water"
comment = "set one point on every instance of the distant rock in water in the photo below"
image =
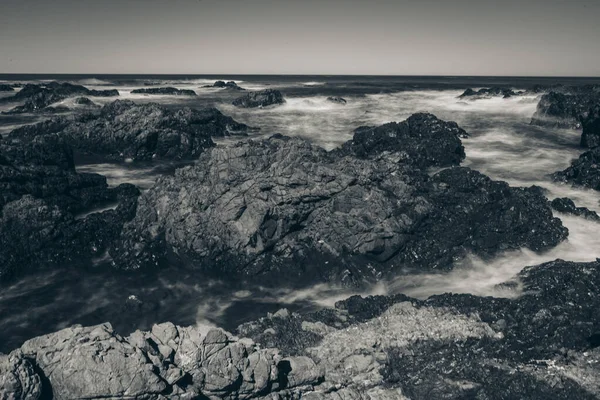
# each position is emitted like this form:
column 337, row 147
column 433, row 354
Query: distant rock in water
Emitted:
column 590, row 122
column 584, row 171
column 566, row 108
column 489, row 92
column 337, row 99
column 226, row 85
column 6, row 88
column 40, row 194
column 123, row 130
column 38, row 97
column 377, row 347
column 165, row 91
column 262, row 98
column 287, row 212
column 567, row 206
column 84, row 101
column 426, row 140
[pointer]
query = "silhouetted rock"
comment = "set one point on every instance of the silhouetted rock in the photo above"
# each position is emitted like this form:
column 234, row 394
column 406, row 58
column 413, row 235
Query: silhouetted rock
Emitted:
column 6, row 88
column 262, row 98
column 489, row 92
column 590, row 137
column 226, row 85
column 287, row 211
column 84, row 101
column 337, row 99
column 566, row 108
column 584, row 171
column 567, row 206
column 165, row 90
column 124, row 130
column 37, row 97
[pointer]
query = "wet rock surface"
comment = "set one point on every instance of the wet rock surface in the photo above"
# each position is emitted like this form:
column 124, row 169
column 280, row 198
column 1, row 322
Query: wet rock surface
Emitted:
column 124, row 130
column 590, row 136
column 6, row 88
column 566, row 205
column 337, row 99
column 283, row 210
column 489, row 92
column 263, row 98
column 37, row 97
column 171, row 91
column 225, row 85
column 584, row 171
column 566, row 107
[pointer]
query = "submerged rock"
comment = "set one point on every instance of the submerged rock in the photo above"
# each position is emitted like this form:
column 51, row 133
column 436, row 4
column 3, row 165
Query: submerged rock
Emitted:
column 37, row 97
column 287, row 211
column 567, row 206
column 566, row 108
column 165, row 90
column 337, row 99
column 261, row 98
column 123, row 130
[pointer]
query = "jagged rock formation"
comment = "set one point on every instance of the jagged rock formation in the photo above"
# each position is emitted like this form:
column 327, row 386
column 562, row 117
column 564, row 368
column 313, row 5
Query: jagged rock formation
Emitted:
column 6, row 88
column 261, row 98
column 285, row 210
column 542, row 344
column 171, row 91
column 489, row 92
column 123, row 130
column 337, row 99
column 584, row 171
column 40, row 196
column 567, row 107
column 590, row 136
column 567, row 206
column 225, row 85
column 37, row 97
column 84, row 101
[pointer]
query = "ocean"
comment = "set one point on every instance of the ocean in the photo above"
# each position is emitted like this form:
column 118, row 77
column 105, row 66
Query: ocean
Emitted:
column 502, row 145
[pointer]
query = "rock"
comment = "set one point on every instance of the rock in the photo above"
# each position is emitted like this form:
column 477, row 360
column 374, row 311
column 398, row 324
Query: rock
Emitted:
column 426, row 140
column 590, row 137
column 226, row 85
column 260, row 99
column 566, row 108
column 489, row 92
column 285, row 211
column 171, row 91
column 337, row 99
column 18, row 380
column 123, row 130
column 567, row 206
column 37, row 97
column 584, row 171
column 6, row 88
column 84, row 101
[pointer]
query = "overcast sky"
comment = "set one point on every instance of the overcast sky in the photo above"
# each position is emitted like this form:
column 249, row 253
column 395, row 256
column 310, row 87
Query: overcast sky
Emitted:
column 425, row 37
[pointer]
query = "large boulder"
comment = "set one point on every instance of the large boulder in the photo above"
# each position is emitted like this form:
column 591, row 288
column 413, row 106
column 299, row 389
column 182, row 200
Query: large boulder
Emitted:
column 286, row 210
column 37, row 97
column 123, row 130
column 566, row 108
column 584, row 171
column 590, row 136
column 171, row 91
column 261, row 98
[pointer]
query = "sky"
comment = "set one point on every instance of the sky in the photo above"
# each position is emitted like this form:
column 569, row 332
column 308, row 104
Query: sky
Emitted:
column 346, row 37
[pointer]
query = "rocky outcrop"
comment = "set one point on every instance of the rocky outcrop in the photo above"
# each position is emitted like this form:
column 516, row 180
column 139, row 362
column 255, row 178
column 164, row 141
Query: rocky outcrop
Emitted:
column 584, row 171
column 167, row 362
column 225, row 85
column 37, row 97
column 263, row 98
column 566, row 108
column 590, row 136
column 6, row 88
column 171, row 91
column 123, row 130
column 540, row 344
column 337, row 99
column 84, row 101
column 40, row 196
column 567, row 206
column 489, row 92
column 283, row 210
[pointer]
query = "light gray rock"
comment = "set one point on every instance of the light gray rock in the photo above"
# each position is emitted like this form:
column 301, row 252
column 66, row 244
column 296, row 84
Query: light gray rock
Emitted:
column 18, row 380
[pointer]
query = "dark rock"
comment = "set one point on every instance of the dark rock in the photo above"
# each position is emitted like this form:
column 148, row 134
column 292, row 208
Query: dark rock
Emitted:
column 566, row 108
column 37, row 97
column 286, row 211
column 165, row 90
column 84, row 101
column 337, row 99
column 584, row 171
column 567, row 206
column 426, row 140
column 124, row 130
column 262, row 98
column 590, row 137
column 6, row 88
column 226, row 85
column 489, row 92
